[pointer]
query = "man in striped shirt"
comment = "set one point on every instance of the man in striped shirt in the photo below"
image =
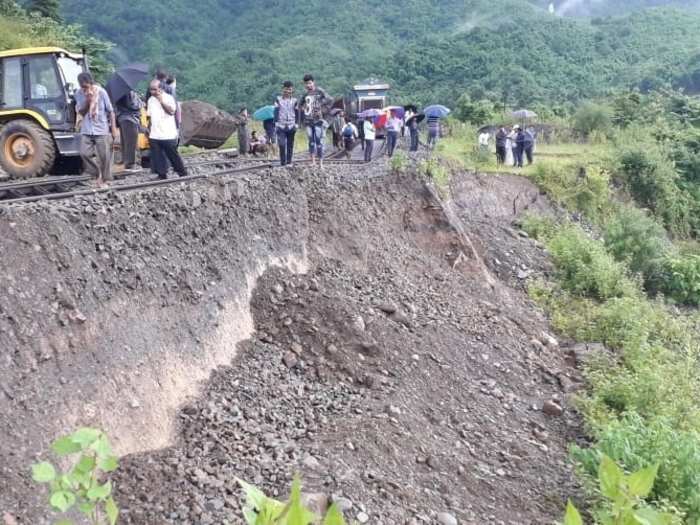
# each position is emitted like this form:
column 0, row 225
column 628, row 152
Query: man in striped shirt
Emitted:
column 433, row 130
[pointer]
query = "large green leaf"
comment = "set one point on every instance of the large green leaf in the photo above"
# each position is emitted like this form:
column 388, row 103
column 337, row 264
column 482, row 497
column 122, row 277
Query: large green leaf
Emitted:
column 610, row 477
column 65, row 445
column 43, row 472
column 85, row 436
column 111, row 510
column 62, row 500
column 297, row 514
column 100, row 491
column 86, row 464
column 108, row 464
column 101, row 446
column 572, row 516
column 641, row 482
column 649, row 516
column 335, row 517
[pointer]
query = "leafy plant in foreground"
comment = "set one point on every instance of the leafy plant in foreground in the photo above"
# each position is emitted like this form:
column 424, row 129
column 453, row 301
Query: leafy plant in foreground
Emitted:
column 624, row 498
column 83, row 484
column 262, row 510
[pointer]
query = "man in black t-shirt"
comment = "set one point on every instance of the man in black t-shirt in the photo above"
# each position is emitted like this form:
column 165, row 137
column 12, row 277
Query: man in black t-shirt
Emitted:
column 313, row 107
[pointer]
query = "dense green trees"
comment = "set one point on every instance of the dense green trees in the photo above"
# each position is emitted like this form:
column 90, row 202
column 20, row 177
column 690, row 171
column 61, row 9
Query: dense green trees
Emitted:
column 47, row 8
column 431, row 50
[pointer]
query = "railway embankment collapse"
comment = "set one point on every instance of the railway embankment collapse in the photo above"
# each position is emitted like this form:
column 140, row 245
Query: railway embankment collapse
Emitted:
column 350, row 326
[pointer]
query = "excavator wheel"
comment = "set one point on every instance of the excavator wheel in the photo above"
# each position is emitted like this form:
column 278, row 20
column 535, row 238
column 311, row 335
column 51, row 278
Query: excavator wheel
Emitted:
column 26, row 149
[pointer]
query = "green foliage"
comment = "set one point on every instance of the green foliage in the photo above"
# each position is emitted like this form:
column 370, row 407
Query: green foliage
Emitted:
column 262, row 510
column 434, row 52
column 592, row 118
column 433, row 169
column 624, row 495
column 633, row 237
column 585, row 268
column 477, row 113
column 682, row 279
column 399, row 162
column 83, row 484
column 46, row 8
column 580, row 188
column 539, row 227
column 635, row 442
column 19, row 29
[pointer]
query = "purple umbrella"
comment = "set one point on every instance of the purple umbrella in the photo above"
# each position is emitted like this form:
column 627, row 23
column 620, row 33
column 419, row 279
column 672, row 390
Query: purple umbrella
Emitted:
column 369, row 113
column 399, row 110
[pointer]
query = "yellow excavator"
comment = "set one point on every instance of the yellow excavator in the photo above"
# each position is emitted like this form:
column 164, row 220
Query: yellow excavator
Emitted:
column 38, row 117
column 37, row 112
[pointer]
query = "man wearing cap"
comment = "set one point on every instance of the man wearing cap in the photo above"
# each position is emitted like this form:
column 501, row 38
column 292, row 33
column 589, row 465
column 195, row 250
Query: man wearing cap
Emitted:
column 519, row 146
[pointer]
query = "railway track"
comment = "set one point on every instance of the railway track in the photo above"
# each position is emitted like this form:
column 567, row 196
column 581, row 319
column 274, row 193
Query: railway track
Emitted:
column 62, row 187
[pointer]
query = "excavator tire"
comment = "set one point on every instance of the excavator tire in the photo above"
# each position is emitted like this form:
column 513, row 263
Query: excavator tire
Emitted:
column 26, row 149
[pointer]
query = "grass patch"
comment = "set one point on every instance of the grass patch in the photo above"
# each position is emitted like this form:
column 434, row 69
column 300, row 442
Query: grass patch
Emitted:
column 642, row 405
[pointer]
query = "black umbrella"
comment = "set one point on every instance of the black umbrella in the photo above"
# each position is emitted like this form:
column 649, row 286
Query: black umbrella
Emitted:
column 418, row 118
column 411, row 107
column 126, row 79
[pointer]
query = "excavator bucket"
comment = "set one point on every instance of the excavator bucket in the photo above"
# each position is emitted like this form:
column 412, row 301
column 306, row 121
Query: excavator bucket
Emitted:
column 204, row 125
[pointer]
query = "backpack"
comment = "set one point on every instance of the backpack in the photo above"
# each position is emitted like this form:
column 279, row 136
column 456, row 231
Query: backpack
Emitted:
column 348, row 132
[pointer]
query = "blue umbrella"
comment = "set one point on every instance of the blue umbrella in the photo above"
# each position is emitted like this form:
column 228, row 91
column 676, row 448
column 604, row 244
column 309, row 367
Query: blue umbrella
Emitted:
column 264, row 113
column 436, row 110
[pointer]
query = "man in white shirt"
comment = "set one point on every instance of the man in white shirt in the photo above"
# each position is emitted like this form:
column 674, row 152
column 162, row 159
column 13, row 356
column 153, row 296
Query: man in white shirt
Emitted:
column 369, row 133
column 484, row 138
column 163, row 132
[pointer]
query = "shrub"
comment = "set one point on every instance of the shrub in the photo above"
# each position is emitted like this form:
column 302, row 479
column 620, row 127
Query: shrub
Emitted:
column 623, row 496
column 682, row 279
column 635, row 442
column 652, row 182
column 262, row 510
column 579, row 188
column 633, row 237
column 593, row 118
column 585, row 268
column 399, row 162
column 83, row 484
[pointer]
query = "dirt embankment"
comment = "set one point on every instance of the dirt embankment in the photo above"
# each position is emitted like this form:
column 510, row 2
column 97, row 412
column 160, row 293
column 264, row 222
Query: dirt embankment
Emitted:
column 379, row 343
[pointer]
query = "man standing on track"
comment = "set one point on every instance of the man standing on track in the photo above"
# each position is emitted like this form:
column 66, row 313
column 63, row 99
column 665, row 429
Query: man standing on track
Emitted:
column 315, row 125
column 98, row 120
column 286, row 107
column 163, row 132
column 393, row 128
column 369, row 133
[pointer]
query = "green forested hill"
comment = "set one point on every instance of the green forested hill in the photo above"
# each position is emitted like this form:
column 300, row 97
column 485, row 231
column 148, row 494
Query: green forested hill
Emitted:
column 232, row 52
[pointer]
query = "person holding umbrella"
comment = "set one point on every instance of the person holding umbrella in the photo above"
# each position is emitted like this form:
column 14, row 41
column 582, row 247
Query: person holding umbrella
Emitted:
column 434, row 113
column 412, row 124
column 121, row 88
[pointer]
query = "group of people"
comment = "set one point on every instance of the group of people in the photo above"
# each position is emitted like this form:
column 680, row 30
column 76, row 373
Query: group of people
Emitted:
column 312, row 112
column 101, row 124
column 513, row 146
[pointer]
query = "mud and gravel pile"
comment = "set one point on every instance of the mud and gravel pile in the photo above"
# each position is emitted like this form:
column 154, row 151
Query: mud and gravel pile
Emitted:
column 392, row 360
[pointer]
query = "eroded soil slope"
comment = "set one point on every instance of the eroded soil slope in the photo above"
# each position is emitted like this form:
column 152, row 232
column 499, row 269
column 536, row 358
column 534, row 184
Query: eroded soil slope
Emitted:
column 399, row 376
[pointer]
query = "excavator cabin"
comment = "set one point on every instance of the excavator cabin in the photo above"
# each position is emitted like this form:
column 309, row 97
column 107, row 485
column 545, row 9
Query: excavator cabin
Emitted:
column 37, row 109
